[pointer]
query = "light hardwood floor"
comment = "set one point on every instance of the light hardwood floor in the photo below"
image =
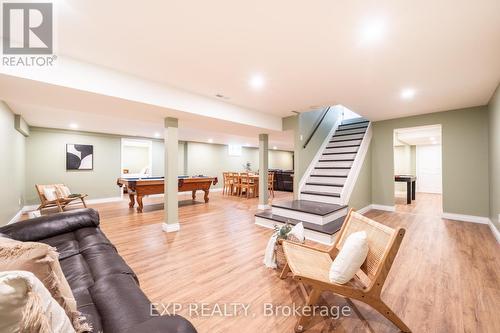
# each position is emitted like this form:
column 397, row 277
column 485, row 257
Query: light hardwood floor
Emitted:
column 446, row 277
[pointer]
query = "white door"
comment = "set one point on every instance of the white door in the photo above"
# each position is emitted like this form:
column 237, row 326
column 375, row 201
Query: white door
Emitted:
column 429, row 178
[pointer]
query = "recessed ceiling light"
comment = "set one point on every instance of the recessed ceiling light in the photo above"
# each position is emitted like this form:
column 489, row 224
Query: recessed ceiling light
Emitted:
column 433, row 138
column 73, row 125
column 408, row 93
column 157, row 135
column 257, row 81
column 372, row 31
column 210, row 140
column 274, row 147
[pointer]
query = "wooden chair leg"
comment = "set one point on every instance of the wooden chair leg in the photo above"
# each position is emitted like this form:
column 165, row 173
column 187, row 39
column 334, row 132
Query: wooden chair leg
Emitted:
column 386, row 311
column 83, row 202
column 311, row 301
column 59, row 206
column 284, row 272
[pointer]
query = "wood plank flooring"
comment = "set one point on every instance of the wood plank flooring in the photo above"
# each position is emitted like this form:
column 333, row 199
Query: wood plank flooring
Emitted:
column 446, row 277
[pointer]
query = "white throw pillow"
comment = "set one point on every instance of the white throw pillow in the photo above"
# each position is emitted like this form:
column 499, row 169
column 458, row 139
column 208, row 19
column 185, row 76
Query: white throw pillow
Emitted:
column 350, row 258
column 50, row 193
column 298, row 232
column 65, row 191
column 21, row 291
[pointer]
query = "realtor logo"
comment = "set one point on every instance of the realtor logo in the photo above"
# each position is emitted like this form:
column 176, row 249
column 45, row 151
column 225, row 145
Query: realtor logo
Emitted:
column 27, row 28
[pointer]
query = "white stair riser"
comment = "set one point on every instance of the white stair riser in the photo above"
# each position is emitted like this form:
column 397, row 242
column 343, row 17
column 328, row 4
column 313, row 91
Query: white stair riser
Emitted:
column 327, row 180
column 331, row 172
column 344, row 143
column 338, row 157
column 334, row 164
column 356, row 120
column 348, row 137
column 347, row 150
column 322, row 188
column 311, row 218
column 309, row 234
column 320, row 198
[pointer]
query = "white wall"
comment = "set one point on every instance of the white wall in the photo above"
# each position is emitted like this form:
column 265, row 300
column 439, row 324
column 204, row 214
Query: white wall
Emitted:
column 429, row 178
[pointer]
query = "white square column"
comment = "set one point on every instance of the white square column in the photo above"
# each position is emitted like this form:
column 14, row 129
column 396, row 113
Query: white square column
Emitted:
column 171, row 219
column 263, row 171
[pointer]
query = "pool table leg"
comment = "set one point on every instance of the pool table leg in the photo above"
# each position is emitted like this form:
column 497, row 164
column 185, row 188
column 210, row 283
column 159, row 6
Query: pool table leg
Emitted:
column 206, row 195
column 132, row 200
column 139, row 204
column 193, row 194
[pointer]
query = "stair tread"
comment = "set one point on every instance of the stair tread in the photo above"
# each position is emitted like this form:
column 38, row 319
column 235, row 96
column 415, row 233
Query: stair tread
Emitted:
column 311, row 207
column 324, row 194
column 346, row 146
column 327, row 176
column 329, row 228
column 344, row 152
column 340, row 129
column 355, row 133
column 354, row 122
column 344, row 140
column 339, row 160
column 335, row 168
column 323, row 184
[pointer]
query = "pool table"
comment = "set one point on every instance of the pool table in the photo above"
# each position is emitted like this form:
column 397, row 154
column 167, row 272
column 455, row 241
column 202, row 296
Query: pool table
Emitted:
column 139, row 187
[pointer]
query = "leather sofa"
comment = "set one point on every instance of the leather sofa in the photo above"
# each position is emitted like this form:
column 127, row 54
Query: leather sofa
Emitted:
column 283, row 180
column 105, row 288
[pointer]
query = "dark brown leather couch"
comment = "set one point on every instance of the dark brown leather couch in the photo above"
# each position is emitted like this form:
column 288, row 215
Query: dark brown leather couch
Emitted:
column 105, row 287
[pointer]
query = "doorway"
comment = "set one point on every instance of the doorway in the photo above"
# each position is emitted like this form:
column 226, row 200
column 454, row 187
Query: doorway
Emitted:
column 136, row 158
column 418, row 159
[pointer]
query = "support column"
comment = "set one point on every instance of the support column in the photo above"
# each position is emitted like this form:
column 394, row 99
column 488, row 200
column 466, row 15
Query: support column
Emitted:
column 171, row 220
column 263, row 170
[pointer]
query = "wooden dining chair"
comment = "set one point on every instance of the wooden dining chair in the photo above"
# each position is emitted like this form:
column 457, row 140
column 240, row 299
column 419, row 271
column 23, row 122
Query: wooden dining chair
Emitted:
column 311, row 266
column 247, row 184
column 270, row 183
column 227, row 187
column 236, row 183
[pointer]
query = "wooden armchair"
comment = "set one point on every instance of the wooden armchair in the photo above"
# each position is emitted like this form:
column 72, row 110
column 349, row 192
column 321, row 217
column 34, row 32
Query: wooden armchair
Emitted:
column 61, row 201
column 312, row 266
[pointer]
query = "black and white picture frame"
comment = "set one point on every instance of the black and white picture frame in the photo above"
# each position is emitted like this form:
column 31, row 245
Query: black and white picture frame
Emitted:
column 79, row 157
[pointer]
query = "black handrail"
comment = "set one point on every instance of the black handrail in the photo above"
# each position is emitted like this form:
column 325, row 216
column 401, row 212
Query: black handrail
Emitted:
column 316, row 126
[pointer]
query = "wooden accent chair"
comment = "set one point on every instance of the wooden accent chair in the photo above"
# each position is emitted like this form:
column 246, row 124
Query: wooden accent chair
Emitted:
column 227, row 186
column 270, row 183
column 247, row 184
column 60, row 202
column 311, row 266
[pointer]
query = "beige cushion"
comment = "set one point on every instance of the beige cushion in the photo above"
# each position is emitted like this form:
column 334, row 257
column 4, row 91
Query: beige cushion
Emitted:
column 27, row 306
column 350, row 258
column 50, row 193
column 41, row 260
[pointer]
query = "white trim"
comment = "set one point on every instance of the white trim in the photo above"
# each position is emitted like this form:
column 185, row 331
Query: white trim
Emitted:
column 364, row 209
column 16, row 217
column 263, row 207
column 494, row 230
column 320, row 151
column 170, row 227
column 466, row 218
column 356, row 166
column 383, row 207
column 312, row 235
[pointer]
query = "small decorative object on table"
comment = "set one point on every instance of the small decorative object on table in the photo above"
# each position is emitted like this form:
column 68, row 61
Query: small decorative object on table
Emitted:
column 284, row 233
column 247, row 166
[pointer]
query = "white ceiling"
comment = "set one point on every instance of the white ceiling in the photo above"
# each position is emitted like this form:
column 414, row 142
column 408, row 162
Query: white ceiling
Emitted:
column 421, row 135
column 360, row 54
column 309, row 53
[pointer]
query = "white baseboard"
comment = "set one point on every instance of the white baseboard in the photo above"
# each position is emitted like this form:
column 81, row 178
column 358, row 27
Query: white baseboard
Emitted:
column 466, row 218
column 170, row 227
column 364, row 209
column 16, row 217
column 383, row 207
column 494, row 230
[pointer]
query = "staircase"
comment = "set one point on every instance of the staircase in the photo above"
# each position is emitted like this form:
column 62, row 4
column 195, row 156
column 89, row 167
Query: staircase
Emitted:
column 328, row 183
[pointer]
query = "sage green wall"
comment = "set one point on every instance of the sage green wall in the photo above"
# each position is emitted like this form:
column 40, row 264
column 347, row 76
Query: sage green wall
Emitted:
column 361, row 195
column 12, row 151
column 46, row 163
column 465, row 159
column 494, row 139
column 135, row 158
